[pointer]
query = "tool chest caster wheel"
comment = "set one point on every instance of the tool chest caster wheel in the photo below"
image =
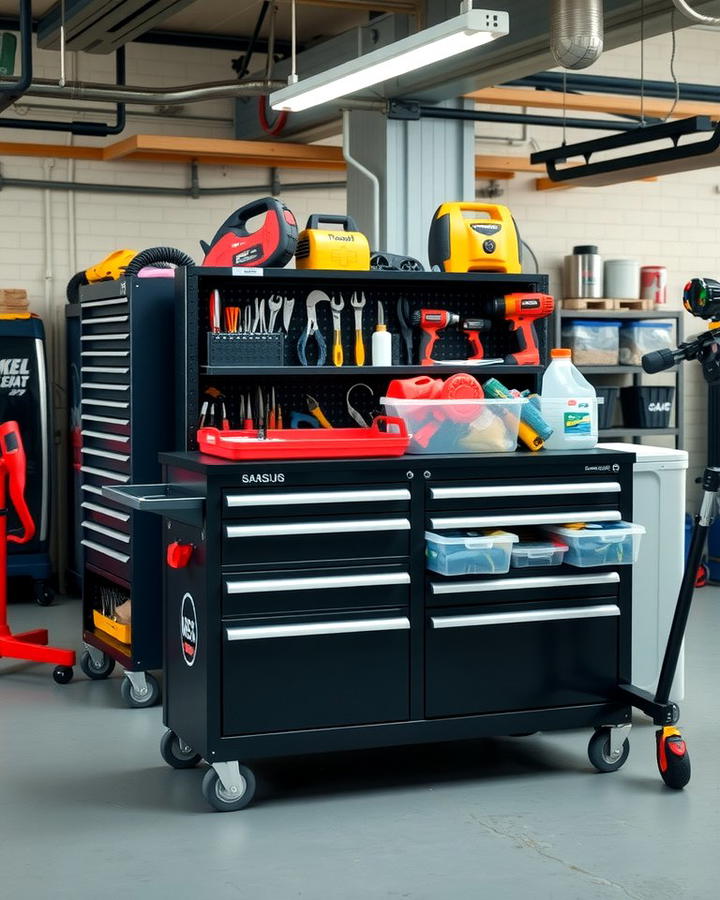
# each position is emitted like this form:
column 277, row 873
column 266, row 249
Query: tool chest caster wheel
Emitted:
column 177, row 753
column 140, row 689
column 63, row 674
column 43, row 593
column 605, row 750
column 672, row 758
column 235, row 791
column 97, row 665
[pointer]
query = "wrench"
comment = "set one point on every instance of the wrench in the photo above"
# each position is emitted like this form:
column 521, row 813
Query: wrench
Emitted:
column 274, row 307
column 337, row 307
column 358, row 306
column 287, row 313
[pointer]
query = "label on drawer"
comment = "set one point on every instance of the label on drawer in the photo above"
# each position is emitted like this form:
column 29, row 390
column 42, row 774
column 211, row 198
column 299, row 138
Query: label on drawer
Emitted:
column 188, row 629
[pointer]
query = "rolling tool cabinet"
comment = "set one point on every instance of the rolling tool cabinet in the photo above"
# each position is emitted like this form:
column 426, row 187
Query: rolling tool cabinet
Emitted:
column 300, row 618
column 126, row 418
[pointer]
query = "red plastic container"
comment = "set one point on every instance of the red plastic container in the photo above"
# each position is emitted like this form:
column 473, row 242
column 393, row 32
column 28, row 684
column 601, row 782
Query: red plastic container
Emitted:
column 307, row 443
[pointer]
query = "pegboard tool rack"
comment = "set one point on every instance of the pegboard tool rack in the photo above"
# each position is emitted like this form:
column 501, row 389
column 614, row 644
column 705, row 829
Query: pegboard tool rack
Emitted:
column 465, row 294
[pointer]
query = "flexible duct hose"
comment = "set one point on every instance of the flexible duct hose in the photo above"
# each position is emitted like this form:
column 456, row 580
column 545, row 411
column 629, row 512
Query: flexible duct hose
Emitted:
column 697, row 17
column 155, row 255
column 576, row 32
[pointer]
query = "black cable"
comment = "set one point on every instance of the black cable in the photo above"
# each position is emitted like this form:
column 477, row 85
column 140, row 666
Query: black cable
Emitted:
column 241, row 65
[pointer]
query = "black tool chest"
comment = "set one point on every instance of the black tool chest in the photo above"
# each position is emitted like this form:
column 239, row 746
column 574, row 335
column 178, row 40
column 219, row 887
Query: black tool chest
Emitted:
column 127, row 416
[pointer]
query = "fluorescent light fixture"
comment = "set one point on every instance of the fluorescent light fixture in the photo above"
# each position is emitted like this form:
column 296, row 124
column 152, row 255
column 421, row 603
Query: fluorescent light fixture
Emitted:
column 471, row 29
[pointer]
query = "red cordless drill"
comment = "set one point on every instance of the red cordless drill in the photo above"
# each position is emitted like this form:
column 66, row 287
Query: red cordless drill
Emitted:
column 431, row 321
column 522, row 310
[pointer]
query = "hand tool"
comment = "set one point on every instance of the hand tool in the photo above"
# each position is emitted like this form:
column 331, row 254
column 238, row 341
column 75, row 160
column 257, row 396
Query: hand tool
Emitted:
column 319, row 248
column 522, row 310
column 405, row 319
column 486, row 242
column 312, row 330
column 279, row 422
column 247, row 319
column 358, row 305
column 271, row 410
column 431, row 321
column 274, row 306
column 259, row 326
column 241, row 412
column 337, row 307
column 288, row 305
column 473, row 328
column 272, row 244
column 381, row 344
column 248, row 424
column 315, row 411
column 303, row 420
column 215, row 311
column 352, row 412
column 261, row 415
column 232, row 317
column 529, row 412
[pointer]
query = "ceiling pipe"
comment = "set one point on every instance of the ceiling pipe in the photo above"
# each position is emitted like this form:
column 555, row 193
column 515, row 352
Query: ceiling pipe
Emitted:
column 695, row 16
column 10, row 91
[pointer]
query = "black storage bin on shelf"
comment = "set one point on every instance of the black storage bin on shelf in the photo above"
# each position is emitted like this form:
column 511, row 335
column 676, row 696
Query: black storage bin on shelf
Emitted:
column 647, row 407
column 606, row 409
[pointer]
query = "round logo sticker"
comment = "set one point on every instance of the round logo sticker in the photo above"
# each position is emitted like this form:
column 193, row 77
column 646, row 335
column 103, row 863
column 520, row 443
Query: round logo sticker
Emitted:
column 188, row 629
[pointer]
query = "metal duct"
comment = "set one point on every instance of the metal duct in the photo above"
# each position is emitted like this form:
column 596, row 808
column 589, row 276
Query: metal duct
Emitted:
column 576, row 32
column 78, row 90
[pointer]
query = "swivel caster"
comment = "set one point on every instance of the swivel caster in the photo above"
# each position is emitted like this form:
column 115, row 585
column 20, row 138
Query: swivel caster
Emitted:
column 140, row 689
column 672, row 757
column 43, row 593
column 96, row 664
column 177, row 753
column 228, row 786
column 608, row 748
column 63, row 674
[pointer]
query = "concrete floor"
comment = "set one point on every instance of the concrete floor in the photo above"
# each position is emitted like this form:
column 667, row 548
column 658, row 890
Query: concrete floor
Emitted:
column 89, row 809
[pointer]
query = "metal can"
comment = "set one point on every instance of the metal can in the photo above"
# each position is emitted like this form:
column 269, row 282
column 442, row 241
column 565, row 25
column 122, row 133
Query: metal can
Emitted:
column 653, row 284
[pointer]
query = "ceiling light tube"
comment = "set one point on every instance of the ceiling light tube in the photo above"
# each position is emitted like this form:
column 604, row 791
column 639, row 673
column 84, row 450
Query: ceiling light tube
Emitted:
column 471, row 29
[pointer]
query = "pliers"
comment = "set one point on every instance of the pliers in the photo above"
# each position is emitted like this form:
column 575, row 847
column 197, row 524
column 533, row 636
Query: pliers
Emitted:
column 312, row 330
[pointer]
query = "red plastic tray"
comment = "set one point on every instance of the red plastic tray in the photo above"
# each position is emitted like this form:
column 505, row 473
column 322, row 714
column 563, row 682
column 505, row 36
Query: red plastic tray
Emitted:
column 307, row 443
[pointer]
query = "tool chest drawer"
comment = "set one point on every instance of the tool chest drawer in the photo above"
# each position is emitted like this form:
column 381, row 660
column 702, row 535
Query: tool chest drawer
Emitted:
column 531, row 494
column 285, row 674
column 315, row 539
column 360, row 500
column 525, row 657
column 312, row 590
column 561, row 585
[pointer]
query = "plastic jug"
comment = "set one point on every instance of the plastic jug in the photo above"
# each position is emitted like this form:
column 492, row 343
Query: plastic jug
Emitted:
column 569, row 405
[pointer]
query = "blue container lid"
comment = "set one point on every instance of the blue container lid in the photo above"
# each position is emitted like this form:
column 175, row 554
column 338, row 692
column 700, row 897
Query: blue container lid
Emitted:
column 613, row 323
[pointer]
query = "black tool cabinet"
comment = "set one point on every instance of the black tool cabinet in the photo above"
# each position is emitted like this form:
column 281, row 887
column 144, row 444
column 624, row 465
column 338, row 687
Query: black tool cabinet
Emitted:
column 305, row 620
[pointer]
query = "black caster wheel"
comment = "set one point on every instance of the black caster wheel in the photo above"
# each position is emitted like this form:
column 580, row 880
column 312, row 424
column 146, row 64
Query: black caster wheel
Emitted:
column 600, row 755
column 43, row 593
column 222, row 800
column 63, row 674
column 134, row 698
column 672, row 758
column 177, row 754
column 94, row 670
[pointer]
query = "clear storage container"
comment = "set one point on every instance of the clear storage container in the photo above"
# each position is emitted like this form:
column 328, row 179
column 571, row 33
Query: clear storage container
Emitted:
column 600, row 543
column 530, row 554
column 458, row 426
column 593, row 342
column 469, row 552
column 639, row 338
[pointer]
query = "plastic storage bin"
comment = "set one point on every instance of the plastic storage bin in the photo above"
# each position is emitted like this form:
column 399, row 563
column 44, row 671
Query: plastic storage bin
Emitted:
column 639, row 338
column 469, row 552
column 600, row 544
column 530, row 554
column 607, row 400
column 458, row 426
column 593, row 342
column 647, row 407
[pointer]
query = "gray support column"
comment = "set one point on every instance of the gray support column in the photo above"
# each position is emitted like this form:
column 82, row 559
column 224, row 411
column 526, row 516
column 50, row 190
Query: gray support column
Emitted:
column 419, row 164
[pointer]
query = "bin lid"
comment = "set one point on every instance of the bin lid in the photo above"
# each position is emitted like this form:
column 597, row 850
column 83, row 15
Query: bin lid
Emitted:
column 649, row 458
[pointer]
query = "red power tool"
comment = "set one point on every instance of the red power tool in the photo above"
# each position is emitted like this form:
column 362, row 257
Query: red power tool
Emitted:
column 431, row 321
column 272, row 244
column 522, row 310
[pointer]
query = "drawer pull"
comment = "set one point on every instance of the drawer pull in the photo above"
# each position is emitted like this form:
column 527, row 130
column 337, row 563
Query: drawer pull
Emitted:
column 91, row 489
column 109, row 420
column 115, row 404
column 106, row 454
column 105, row 320
column 112, row 302
column 309, row 629
column 522, row 490
column 299, row 497
column 525, row 584
column 535, row 615
column 105, row 510
column 290, row 528
column 551, row 518
column 113, row 554
column 101, row 386
column 270, row 585
column 107, row 370
column 105, row 473
column 105, row 436
column 108, row 532
column 105, row 337
column 105, row 353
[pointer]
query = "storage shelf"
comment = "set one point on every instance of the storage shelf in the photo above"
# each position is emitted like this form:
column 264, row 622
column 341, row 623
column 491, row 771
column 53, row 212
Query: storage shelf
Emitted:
column 635, row 432
column 619, row 313
column 611, row 370
column 357, row 371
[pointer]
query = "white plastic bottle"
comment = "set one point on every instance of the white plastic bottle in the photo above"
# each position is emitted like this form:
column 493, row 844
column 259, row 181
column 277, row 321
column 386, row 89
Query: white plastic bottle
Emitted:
column 569, row 405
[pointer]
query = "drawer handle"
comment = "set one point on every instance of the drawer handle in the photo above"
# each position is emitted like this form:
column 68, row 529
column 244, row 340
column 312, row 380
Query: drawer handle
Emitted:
column 269, row 586
column 299, row 497
column 108, row 532
column 535, row 615
column 105, row 510
column 105, row 337
column 525, row 584
column 105, row 436
column 101, row 386
column 107, row 370
column 105, row 320
column 91, row 489
column 359, row 525
column 259, row 632
column 522, row 490
column 98, row 548
column 106, row 454
column 551, row 518
column 112, row 302
column 109, row 420
column 105, row 353
column 115, row 404
column 105, row 473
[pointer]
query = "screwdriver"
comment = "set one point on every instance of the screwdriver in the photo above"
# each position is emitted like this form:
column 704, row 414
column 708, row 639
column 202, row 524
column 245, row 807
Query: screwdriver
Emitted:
column 248, row 423
column 271, row 411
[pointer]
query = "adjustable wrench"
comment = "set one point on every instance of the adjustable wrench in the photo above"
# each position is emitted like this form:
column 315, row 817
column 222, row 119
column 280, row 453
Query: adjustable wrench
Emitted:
column 274, row 307
column 358, row 305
